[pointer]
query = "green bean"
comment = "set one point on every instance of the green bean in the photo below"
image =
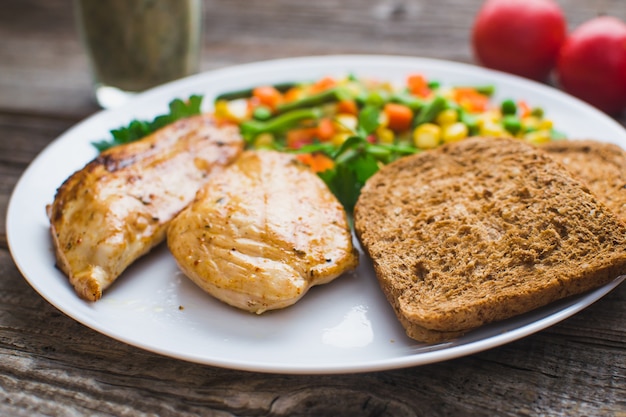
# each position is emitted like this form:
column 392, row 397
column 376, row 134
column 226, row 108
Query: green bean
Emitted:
column 399, row 148
column 332, row 94
column 379, row 152
column 408, row 100
column 487, row 89
column 247, row 92
column 252, row 128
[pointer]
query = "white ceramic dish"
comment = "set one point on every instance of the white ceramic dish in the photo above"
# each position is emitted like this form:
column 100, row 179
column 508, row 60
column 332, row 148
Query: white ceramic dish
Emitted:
column 345, row 326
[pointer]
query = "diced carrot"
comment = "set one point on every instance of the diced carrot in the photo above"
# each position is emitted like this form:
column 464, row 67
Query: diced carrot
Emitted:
column 253, row 103
column 268, row 96
column 325, row 129
column 297, row 138
column 399, row 116
column 317, row 161
column 323, row 84
column 221, row 122
column 470, row 99
column 523, row 108
column 292, row 94
column 418, row 85
column 348, row 107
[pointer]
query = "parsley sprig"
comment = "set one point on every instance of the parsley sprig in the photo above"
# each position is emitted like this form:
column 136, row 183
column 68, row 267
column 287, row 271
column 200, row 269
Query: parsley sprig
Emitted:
column 138, row 129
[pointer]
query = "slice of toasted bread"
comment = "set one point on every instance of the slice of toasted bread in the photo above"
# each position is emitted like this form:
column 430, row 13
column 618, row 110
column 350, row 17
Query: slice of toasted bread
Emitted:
column 601, row 165
column 483, row 230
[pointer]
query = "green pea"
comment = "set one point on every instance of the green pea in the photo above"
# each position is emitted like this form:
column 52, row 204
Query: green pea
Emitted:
column 470, row 120
column 262, row 113
column 376, row 98
column 537, row 112
column 508, row 107
column 487, row 90
column 512, row 123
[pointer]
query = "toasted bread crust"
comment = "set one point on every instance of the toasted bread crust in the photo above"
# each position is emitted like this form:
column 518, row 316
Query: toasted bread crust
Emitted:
column 600, row 165
column 480, row 231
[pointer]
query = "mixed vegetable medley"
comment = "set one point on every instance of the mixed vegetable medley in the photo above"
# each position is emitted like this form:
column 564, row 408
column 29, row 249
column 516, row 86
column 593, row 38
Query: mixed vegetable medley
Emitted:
column 345, row 129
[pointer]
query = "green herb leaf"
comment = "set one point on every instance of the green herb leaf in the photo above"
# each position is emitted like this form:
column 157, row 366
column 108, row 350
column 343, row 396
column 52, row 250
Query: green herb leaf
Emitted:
column 138, row 129
column 368, row 120
column 353, row 142
column 428, row 113
column 343, row 182
column 364, row 166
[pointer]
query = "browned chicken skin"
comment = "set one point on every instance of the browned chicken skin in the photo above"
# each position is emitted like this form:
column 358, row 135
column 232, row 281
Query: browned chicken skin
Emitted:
column 119, row 205
column 261, row 233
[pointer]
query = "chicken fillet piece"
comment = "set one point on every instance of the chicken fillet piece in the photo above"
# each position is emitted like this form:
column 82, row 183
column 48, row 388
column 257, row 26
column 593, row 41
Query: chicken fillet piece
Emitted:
column 120, row 204
column 261, row 233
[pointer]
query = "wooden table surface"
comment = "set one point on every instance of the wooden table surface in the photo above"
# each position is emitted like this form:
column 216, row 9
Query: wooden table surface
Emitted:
column 52, row 365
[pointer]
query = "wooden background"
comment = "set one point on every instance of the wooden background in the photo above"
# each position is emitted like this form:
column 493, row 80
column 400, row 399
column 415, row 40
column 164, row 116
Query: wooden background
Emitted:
column 52, row 365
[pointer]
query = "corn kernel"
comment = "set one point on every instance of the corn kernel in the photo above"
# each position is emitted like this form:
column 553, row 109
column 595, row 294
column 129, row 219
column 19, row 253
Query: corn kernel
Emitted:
column 385, row 135
column 221, row 108
column 530, row 123
column 488, row 117
column 346, row 122
column 427, row 136
column 339, row 138
column 494, row 129
column 264, row 140
column 447, row 117
column 383, row 120
column 234, row 110
column 454, row 132
column 329, row 109
column 352, row 87
column 446, row 92
column 537, row 137
column 545, row 124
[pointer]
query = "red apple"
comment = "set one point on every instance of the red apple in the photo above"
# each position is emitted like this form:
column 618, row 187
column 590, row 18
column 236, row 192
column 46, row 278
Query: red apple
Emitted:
column 592, row 63
column 522, row 37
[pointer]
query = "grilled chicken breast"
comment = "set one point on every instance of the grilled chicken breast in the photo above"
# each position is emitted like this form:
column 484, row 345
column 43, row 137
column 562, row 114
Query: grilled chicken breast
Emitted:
column 261, row 233
column 119, row 205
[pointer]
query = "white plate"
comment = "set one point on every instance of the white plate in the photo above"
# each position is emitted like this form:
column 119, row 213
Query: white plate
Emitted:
column 345, row 326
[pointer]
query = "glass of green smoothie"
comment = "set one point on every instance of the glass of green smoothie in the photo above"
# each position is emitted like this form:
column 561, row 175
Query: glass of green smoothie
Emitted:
column 133, row 45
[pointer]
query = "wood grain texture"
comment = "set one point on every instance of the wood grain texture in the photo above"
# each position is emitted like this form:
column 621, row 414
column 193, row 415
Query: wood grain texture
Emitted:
column 51, row 365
